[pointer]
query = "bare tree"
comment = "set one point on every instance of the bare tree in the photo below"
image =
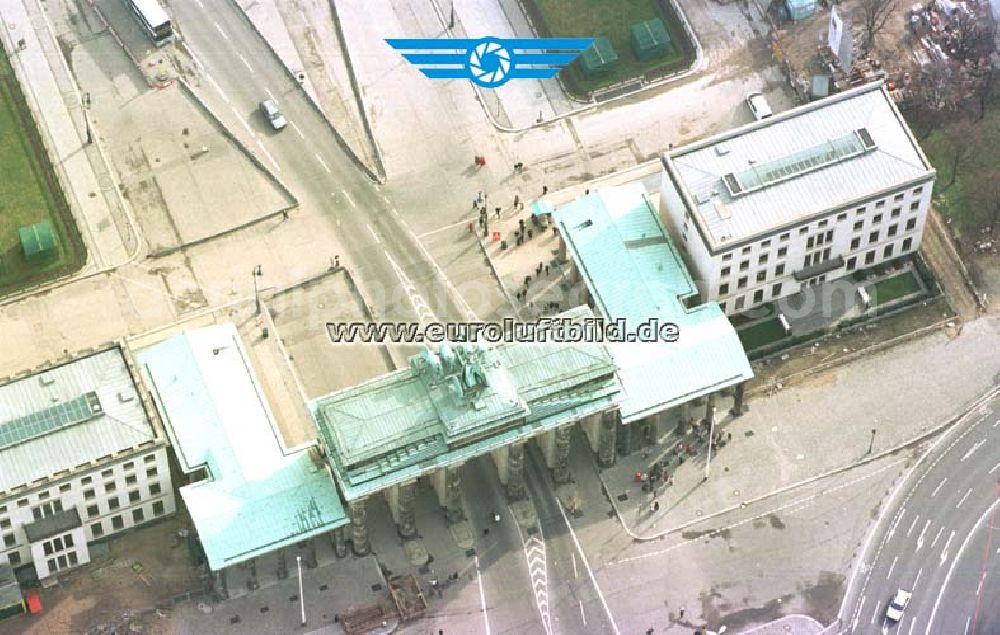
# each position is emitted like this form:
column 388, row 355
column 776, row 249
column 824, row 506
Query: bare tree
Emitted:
column 875, row 13
column 959, row 141
column 983, row 198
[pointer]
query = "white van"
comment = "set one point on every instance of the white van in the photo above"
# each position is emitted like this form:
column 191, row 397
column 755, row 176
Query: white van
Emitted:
column 758, row 105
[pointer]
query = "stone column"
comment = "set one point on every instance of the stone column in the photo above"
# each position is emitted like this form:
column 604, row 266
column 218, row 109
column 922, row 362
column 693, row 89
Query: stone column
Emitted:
column 624, row 439
column 282, row 565
column 709, row 407
column 453, row 495
column 560, row 473
column 311, row 560
column 339, row 544
column 359, row 533
column 737, row 401
column 608, row 436
column 220, row 584
column 252, row 583
column 407, row 525
column 515, row 471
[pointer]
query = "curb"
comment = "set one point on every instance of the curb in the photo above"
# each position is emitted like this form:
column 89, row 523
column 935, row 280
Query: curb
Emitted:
column 496, row 275
column 989, row 394
column 340, row 140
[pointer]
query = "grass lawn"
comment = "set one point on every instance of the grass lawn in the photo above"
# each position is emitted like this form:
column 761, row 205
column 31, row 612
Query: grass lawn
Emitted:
column 893, row 288
column 612, row 19
column 758, row 335
column 26, row 197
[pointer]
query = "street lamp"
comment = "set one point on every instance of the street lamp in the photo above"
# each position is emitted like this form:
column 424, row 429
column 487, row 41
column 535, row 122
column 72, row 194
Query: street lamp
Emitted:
column 256, row 273
column 871, row 445
column 302, row 598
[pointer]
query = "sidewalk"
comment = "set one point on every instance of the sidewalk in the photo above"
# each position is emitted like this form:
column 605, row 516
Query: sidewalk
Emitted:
column 56, row 105
column 791, row 437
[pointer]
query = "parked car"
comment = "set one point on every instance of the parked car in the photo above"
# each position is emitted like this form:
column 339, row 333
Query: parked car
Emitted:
column 897, row 605
column 758, row 105
column 274, row 116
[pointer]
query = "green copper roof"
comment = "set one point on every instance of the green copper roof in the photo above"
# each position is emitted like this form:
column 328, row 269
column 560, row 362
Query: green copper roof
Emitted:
column 456, row 403
column 634, row 272
column 256, row 498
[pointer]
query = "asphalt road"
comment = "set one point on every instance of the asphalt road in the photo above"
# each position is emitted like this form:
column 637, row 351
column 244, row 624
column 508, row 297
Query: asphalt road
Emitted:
column 236, row 72
column 936, row 541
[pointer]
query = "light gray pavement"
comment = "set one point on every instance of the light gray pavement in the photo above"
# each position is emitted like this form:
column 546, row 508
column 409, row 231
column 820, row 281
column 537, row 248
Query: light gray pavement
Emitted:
column 58, row 109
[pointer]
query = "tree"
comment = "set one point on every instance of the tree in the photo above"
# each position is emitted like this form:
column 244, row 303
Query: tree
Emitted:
column 983, row 198
column 959, row 140
column 875, row 13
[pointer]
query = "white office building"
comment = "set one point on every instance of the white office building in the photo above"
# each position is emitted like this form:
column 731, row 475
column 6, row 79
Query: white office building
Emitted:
column 803, row 197
column 80, row 460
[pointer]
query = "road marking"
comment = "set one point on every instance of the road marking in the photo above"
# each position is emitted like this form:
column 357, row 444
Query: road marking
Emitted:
column 482, row 596
column 912, row 525
column 583, row 616
column 938, row 488
column 590, row 572
column 888, row 576
column 575, row 573
column 322, row 162
column 242, row 120
column 920, row 538
column 348, row 197
column 895, row 524
column 215, row 85
column 936, row 536
column 913, row 624
column 875, row 613
column 968, row 621
column 298, row 130
column 250, row 68
column 538, row 572
column 995, row 467
column 944, row 551
column 221, row 32
column 914, row 585
column 420, row 307
column 963, row 498
column 459, row 223
column 975, row 446
column 374, row 235
column 268, row 155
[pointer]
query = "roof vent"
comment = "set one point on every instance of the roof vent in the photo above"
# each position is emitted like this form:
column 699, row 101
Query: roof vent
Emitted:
column 125, row 398
column 46, row 379
column 721, row 150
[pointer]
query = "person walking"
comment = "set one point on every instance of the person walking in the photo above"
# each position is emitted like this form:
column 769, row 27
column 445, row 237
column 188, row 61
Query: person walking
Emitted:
column 517, row 202
column 545, row 190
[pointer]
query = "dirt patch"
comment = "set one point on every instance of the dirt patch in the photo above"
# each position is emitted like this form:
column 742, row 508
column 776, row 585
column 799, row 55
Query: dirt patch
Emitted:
column 823, row 598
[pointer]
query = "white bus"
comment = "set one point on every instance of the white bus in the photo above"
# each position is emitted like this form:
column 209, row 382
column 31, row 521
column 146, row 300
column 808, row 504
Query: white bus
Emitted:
column 153, row 19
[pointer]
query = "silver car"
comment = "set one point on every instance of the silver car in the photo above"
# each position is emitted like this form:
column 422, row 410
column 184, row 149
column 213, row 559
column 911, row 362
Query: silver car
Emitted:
column 270, row 110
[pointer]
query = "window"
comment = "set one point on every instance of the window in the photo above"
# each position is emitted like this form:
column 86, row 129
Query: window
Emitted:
column 57, row 505
column 876, row 219
column 758, row 296
column 914, row 206
column 893, row 229
column 858, row 225
column 911, row 223
column 746, row 250
column 895, row 212
column 129, row 466
column 151, row 472
column 158, row 505
column 776, row 290
column 23, row 502
column 68, row 540
column 62, row 562
column 907, row 243
column 114, row 503
column 110, row 486
column 47, row 548
column 855, row 242
column 3, row 509
column 826, row 253
column 86, row 480
column 149, row 458
column 782, row 252
column 761, row 275
column 783, row 237
column 133, row 496
column 93, row 510
column 887, row 252
column 88, row 494
column 131, row 479
column 137, row 515
column 97, row 530
column 14, row 558
column 744, row 265
column 822, row 223
column 57, row 544
column 154, row 488
column 898, row 197
column 723, row 290
column 52, row 564
column 803, row 230
column 820, row 240
column 727, row 257
column 765, row 244
column 72, row 558
column 724, row 272
column 810, row 242
column 779, row 270
column 873, row 237
column 37, row 513
column 43, row 496
column 762, row 260
column 841, row 217
column 4, row 523
column 829, row 236
column 918, row 190
column 742, row 283
column 108, row 473
column 117, row 522
column 808, row 260
column 65, row 487
column 880, row 204
column 870, row 257
column 861, row 210
column 739, row 303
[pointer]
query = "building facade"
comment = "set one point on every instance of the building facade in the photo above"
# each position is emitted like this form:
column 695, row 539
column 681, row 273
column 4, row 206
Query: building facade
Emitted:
column 807, row 196
column 82, row 461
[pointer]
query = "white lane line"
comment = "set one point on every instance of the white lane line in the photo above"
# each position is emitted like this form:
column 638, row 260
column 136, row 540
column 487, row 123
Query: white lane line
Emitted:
column 374, row 235
column 221, row 32
column 575, row 573
column 936, row 536
column 322, row 162
column 242, row 120
column 271, row 95
column 482, row 596
column 968, row 622
column 459, row 223
column 912, row 525
column 250, row 68
column 914, row 585
column 348, row 197
column 975, row 446
column 215, row 85
column 944, row 551
column 298, row 130
column 938, row 488
column 888, row 576
column 875, row 613
column 268, row 155
column 895, row 524
column 963, row 498
column 583, row 616
column 995, row 468
column 913, row 624
column 920, row 538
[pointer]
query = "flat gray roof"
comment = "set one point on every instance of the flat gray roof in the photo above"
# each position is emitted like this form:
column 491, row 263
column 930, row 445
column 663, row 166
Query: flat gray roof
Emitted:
column 69, row 415
column 774, row 173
